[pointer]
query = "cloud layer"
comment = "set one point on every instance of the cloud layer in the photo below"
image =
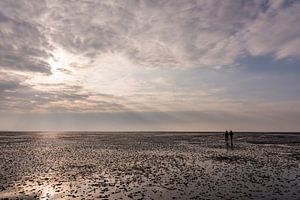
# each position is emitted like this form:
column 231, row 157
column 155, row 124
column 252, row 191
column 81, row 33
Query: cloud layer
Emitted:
column 141, row 55
column 149, row 33
column 177, row 34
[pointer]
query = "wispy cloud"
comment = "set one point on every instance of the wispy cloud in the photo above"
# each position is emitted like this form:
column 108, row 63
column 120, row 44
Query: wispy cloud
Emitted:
column 149, row 33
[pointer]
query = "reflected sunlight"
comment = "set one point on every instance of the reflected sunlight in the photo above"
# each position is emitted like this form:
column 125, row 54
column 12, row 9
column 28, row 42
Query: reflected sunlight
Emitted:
column 47, row 193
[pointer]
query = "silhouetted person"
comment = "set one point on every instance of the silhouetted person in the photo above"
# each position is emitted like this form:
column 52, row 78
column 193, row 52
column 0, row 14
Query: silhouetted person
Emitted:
column 231, row 138
column 226, row 138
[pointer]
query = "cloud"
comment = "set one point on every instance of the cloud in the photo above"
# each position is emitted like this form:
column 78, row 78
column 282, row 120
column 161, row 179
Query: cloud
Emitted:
column 23, row 46
column 176, row 34
column 275, row 31
column 150, row 33
column 17, row 95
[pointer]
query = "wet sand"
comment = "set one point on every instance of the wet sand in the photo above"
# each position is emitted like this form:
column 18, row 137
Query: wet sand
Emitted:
column 149, row 166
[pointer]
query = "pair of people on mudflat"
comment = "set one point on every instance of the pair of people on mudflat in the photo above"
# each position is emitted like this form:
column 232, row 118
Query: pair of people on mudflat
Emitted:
column 227, row 135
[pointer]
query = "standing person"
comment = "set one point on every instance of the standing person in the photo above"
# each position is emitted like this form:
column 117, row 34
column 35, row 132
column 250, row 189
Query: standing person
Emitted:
column 226, row 138
column 231, row 138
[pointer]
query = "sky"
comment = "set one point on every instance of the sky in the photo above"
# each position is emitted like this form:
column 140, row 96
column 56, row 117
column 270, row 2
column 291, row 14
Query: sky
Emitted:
column 131, row 65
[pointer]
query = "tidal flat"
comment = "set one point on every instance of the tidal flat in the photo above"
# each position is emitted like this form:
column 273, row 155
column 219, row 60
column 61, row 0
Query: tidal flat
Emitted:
column 149, row 165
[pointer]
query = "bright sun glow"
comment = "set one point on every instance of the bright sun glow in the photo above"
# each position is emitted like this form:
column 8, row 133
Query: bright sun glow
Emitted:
column 55, row 64
column 47, row 193
column 60, row 60
column 61, row 67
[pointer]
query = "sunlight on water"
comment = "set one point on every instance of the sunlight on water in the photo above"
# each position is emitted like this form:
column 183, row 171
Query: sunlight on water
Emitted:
column 47, row 193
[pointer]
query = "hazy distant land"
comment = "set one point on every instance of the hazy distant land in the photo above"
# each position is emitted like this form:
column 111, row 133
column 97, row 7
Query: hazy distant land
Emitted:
column 141, row 165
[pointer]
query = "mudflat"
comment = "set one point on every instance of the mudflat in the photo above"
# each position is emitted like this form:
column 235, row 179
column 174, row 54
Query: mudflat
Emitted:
column 142, row 165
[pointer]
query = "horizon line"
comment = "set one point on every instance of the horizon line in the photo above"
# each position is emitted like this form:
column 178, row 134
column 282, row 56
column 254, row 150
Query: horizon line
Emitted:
column 146, row 131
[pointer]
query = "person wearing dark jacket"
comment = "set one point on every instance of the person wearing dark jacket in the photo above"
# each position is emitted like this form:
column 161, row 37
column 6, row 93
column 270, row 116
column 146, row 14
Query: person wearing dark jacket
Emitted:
column 231, row 138
column 226, row 138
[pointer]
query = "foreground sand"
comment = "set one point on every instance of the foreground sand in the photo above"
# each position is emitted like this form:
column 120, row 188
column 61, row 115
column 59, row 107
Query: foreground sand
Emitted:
column 148, row 166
